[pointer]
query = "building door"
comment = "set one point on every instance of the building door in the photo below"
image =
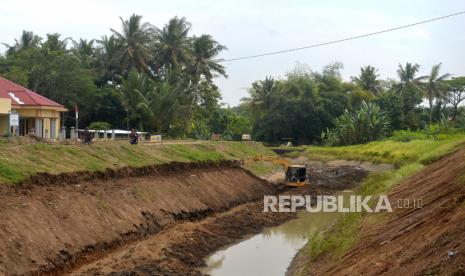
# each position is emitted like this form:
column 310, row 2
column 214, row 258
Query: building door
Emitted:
column 24, row 126
column 39, row 127
column 53, row 128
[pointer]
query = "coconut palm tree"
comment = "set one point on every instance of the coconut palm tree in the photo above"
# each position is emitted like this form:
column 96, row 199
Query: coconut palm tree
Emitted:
column 84, row 50
column 55, row 43
column 173, row 43
column 434, row 87
column 27, row 40
column 106, row 57
column 261, row 93
column 203, row 58
column 135, row 41
column 132, row 93
column 407, row 74
column 165, row 103
column 368, row 79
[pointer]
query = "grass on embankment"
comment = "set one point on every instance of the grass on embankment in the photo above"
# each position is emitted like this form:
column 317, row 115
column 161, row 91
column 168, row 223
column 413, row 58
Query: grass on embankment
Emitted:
column 408, row 157
column 17, row 162
column 424, row 151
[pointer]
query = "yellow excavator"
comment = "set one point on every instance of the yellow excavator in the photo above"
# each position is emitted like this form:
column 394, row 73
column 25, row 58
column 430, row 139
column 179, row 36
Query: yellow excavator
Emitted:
column 296, row 175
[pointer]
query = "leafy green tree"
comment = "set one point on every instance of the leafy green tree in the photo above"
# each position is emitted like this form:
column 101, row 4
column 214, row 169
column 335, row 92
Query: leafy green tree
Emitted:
column 237, row 126
column 391, row 103
column 292, row 113
column 104, row 105
column 455, row 94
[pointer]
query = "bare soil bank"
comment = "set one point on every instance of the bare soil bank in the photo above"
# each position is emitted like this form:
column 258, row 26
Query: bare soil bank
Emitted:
column 51, row 222
column 412, row 241
column 180, row 250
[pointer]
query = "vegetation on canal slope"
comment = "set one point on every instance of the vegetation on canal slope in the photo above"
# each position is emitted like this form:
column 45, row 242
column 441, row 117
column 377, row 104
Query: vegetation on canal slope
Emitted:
column 20, row 161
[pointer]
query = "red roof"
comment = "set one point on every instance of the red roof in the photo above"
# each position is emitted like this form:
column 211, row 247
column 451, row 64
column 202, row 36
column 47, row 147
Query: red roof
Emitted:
column 22, row 96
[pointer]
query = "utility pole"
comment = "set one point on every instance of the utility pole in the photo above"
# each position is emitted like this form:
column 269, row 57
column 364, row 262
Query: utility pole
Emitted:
column 76, row 110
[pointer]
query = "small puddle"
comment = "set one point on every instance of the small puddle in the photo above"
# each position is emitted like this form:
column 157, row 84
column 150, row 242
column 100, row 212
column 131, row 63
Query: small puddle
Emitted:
column 270, row 252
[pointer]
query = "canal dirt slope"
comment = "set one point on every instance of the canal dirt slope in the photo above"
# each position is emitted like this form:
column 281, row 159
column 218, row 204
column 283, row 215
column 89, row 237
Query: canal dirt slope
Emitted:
column 50, row 223
column 412, row 241
column 181, row 250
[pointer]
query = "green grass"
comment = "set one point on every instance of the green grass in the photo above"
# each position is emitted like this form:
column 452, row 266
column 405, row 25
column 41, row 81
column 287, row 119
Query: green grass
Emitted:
column 17, row 162
column 380, row 182
column 462, row 179
column 408, row 157
column 344, row 234
column 343, row 237
column 389, row 151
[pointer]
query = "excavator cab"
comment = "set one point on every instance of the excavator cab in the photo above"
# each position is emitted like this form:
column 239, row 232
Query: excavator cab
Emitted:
column 296, row 175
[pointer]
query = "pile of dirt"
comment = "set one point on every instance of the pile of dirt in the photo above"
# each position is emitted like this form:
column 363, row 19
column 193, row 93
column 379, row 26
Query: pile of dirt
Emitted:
column 413, row 241
column 51, row 222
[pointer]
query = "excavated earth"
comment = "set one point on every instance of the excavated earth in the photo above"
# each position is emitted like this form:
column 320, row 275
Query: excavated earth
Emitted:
column 181, row 250
column 411, row 241
column 52, row 222
column 154, row 220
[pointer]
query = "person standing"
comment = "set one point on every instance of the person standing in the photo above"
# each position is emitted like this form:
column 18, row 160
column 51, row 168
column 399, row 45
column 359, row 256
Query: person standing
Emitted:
column 133, row 137
column 86, row 137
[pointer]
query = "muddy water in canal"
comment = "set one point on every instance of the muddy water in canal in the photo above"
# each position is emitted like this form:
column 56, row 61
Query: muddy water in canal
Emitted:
column 270, row 252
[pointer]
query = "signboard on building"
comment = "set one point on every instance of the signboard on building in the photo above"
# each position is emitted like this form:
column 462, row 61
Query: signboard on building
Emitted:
column 246, row 137
column 155, row 138
column 14, row 119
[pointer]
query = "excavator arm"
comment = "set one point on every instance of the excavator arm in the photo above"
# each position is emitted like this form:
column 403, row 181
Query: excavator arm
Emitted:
column 276, row 160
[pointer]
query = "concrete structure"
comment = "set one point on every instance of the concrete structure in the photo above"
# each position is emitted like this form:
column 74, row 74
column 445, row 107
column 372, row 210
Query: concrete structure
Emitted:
column 35, row 111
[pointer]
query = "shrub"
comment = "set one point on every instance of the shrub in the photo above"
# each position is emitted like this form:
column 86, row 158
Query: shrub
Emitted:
column 100, row 126
column 407, row 136
column 364, row 125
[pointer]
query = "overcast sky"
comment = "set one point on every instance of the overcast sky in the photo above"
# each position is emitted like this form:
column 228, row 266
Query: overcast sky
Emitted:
column 252, row 27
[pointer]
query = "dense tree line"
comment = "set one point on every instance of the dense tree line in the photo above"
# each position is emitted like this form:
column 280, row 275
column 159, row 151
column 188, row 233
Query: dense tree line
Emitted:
column 155, row 79
column 319, row 107
column 161, row 80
